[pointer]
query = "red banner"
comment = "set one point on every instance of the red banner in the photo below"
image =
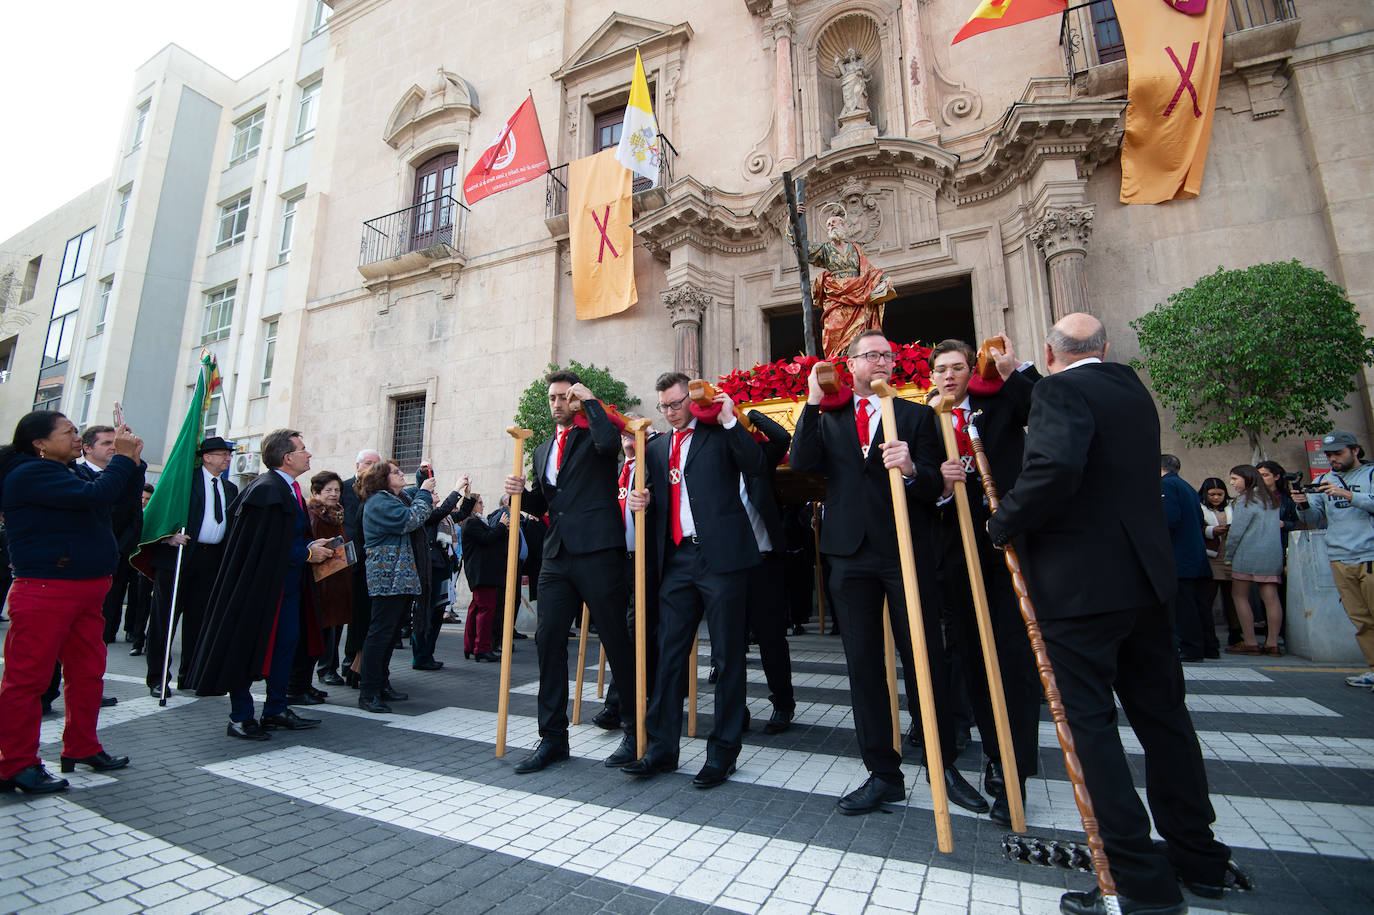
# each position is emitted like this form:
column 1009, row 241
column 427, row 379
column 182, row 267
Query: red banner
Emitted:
column 516, row 155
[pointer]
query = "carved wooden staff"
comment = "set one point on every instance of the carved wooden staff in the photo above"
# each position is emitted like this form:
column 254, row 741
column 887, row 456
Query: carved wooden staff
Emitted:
column 1042, row 662
column 512, row 589
column 601, row 674
column 944, row 407
column 581, row 664
column 640, row 428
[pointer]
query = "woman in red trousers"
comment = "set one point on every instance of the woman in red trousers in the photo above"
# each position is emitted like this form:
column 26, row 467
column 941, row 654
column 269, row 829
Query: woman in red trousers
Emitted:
column 63, row 553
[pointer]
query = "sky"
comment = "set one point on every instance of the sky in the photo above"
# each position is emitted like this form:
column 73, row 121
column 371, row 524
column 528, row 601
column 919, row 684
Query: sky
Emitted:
column 67, row 74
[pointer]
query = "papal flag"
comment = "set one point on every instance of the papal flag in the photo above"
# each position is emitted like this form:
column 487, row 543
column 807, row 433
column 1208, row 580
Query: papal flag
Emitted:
column 167, row 509
column 1173, row 55
column 599, row 215
column 640, row 149
column 998, row 14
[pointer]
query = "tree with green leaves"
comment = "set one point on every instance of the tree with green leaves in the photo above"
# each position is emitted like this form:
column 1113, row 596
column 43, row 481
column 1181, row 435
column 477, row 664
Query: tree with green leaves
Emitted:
column 1264, row 352
column 533, row 410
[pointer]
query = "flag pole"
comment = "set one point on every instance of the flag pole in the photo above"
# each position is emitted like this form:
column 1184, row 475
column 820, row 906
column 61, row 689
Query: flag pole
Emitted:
column 171, row 625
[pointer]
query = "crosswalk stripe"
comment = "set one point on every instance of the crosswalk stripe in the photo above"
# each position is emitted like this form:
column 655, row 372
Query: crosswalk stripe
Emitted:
column 127, row 710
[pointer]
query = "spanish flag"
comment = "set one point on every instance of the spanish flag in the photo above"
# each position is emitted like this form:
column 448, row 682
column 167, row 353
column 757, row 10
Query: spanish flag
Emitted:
column 640, row 149
column 1173, row 55
column 998, row 14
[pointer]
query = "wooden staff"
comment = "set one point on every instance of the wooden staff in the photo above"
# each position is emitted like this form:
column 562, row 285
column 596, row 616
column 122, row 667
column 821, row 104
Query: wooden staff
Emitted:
column 640, row 428
column 703, row 394
column 581, row 664
column 820, row 577
column 890, row 662
column 944, row 406
column 1042, row 662
column 944, row 837
column 692, row 689
column 601, row 673
column 512, row 589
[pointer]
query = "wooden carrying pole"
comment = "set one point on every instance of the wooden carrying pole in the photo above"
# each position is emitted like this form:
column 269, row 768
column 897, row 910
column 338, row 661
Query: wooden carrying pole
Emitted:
column 944, row 837
column 794, row 193
column 640, row 428
column 601, row 674
column 692, row 688
column 1047, row 679
column 890, row 662
column 581, row 664
column 944, row 406
column 820, row 575
column 512, row 590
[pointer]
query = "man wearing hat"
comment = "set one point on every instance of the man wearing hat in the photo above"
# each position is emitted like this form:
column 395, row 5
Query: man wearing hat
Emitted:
column 206, row 523
column 1344, row 506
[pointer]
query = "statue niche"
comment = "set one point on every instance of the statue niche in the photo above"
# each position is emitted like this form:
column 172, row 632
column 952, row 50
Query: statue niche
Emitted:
column 848, row 57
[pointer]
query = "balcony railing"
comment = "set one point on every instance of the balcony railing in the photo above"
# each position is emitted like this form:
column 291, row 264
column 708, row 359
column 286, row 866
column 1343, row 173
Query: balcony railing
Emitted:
column 556, row 181
column 426, row 225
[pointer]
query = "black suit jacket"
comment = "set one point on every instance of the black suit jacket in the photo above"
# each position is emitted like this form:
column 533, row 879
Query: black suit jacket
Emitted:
column 716, row 456
column 759, row 486
column 1086, row 509
column 484, row 553
column 1002, row 426
column 164, row 557
column 583, row 509
column 126, row 515
column 858, row 496
column 353, row 515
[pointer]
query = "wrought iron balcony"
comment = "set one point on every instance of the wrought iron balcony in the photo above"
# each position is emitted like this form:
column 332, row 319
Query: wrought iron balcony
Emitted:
column 432, row 230
column 648, row 195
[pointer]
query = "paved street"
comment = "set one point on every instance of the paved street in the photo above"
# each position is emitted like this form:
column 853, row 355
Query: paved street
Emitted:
column 413, row 813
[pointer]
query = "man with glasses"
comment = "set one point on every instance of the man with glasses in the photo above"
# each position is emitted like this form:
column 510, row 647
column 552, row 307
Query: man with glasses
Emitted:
column 859, row 535
column 706, row 548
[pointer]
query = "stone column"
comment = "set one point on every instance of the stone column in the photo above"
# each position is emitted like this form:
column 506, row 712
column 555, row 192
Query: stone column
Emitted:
column 916, row 79
column 1062, row 234
column 686, row 303
column 781, row 27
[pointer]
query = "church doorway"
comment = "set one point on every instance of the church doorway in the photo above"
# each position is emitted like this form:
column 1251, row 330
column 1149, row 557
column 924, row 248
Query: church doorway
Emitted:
column 935, row 312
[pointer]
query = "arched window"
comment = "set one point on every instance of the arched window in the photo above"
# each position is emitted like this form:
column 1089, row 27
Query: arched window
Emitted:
column 436, row 196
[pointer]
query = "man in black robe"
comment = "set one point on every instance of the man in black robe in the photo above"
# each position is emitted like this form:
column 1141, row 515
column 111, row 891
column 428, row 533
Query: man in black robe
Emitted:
column 261, row 601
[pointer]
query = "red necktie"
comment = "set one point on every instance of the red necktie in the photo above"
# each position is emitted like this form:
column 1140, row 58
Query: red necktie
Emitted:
column 675, row 481
column 861, row 420
column 562, row 441
column 961, row 432
column 299, row 500
column 626, row 474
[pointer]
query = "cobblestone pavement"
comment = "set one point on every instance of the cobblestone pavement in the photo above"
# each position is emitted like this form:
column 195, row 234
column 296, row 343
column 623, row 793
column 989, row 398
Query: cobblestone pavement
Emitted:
column 412, row 812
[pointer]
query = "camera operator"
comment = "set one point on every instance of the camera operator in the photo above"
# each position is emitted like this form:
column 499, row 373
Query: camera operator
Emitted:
column 1344, row 504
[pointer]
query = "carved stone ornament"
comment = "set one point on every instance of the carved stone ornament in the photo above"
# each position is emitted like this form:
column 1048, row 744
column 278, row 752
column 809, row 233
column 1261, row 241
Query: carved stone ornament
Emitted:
column 686, row 303
column 1063, row 230
column 862, row 217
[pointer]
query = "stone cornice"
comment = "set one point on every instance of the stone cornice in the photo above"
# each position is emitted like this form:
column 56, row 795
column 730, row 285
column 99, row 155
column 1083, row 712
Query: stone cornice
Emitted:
column 702, row 216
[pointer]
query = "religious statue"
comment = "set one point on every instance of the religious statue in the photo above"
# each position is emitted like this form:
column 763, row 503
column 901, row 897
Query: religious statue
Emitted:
column 853, row 82
column 849, row 291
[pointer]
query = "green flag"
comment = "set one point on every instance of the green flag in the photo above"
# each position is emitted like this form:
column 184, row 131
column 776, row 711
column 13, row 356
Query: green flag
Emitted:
column 170, row 503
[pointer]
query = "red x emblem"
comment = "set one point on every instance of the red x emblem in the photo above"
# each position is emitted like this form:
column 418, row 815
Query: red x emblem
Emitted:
column 604, row 222
column 1185, row 81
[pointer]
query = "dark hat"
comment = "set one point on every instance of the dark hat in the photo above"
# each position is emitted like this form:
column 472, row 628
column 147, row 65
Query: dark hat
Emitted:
column 1339, row 439
column 214, row 443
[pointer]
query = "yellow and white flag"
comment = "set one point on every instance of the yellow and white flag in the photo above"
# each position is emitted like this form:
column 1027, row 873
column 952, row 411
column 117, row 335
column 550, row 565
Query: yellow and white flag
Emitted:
column 640, row 148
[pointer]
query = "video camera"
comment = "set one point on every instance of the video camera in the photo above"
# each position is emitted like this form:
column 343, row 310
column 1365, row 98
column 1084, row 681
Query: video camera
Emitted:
column 1296, row 483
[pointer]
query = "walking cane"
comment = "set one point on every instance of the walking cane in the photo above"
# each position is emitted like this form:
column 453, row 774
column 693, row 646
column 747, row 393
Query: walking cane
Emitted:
column 581, row 664
column 512, row 589
column 944, row 838
column 1042, row 662
column 944, row 407
column 890, row 659
column 171, row 625
column 640, row 428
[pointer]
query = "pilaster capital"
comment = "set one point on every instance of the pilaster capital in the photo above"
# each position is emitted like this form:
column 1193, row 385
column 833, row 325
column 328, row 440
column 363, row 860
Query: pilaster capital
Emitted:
column 686, row 303
column 1063, row 230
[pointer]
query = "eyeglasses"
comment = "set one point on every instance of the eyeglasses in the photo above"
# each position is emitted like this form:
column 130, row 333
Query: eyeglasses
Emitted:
column 875, row 356
column 672, row 405
column 946, row 369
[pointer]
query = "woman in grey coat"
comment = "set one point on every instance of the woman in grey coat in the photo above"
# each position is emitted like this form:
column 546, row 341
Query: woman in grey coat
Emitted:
column 1255, row 555
column 392, row 579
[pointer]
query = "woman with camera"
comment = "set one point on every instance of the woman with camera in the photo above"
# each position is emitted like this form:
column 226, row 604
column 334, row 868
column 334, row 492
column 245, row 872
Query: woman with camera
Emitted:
column 393, row 582
column 63, row 552
column 1256, row 557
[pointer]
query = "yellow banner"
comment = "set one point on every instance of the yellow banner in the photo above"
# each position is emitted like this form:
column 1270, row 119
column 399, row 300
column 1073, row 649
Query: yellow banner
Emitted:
column 599, row 214
column 1174, row 61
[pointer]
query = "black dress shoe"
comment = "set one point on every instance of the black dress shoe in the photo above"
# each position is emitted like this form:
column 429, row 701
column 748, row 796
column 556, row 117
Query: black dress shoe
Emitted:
column 330, row 678
column 33, row 780
column 100, row 762
column 1232, row 878
column 1001, row 807
column 109, row 701
column 390, row 695
column 427, row 664
column 519, row 635
column 914, row 738
column 303, row 699
column 374, row 705
column 624, row 754
column 872, row 795
column 649, row 766
column 136, row 650
column 486, row 656
column 1092, row 903
column 961, row 793
column 158, row 693
column 713, row 774
column 317, row 693
column 993, row 782
column 546, row 754
column 352, row 679
column 779, row 722
column 247, row 730
column 607, row 719
column 799, row 629
column 713, row 676
column 288, row 721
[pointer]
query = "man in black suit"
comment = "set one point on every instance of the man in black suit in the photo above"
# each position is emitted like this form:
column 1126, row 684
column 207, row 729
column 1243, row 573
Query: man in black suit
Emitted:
column 1092, row 537
column 575, row 484
column 207, row 520
column 859, row 537
column 706, row 549
column 1001, row 419
column 126, row 520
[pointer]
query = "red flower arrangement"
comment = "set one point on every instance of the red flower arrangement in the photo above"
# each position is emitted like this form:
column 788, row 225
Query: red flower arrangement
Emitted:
column 786, row 378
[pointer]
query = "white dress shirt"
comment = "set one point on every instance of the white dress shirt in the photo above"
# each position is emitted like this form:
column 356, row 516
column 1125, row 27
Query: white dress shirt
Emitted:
column 212, row 531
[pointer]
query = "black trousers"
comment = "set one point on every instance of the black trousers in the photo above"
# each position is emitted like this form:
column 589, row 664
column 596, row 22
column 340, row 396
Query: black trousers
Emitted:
column 113, row 608
column 566, row 583
column 329, row 659
column 362, row 614
column 1133, row 652
column 858, row 585
column 767, row 613
column 799, row 584
column 140, row 602
column 387, row 613
column 1015, row 659
column 1192, row 613
column 422, row 644
column 650, row 631
column 199, row 565
column 688, row 591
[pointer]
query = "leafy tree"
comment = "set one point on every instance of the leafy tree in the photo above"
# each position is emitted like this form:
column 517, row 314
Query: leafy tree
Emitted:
column 533, row 411
column 1264, row 352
